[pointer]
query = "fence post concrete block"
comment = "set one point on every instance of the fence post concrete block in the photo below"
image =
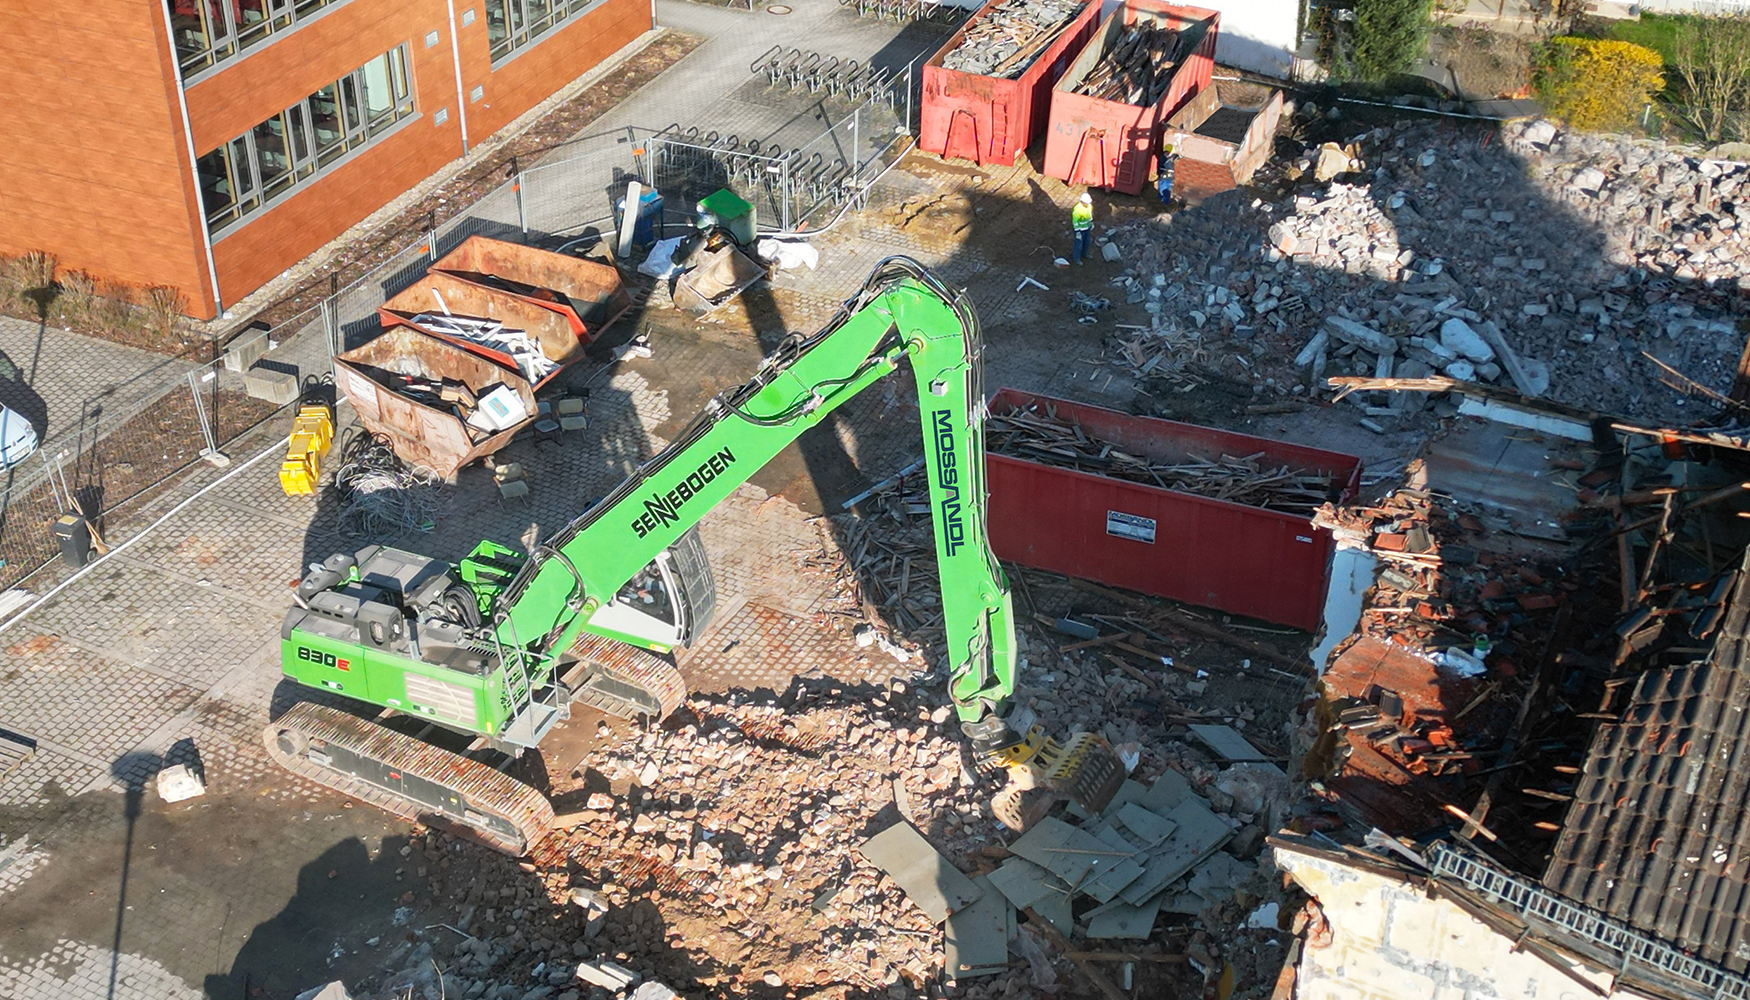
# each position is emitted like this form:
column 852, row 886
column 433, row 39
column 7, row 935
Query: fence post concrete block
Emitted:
column 274, row 381
column 246, row 350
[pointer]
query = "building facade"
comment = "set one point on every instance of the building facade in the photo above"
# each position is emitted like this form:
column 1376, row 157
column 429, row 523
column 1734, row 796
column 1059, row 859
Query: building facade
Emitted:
column 211, row 144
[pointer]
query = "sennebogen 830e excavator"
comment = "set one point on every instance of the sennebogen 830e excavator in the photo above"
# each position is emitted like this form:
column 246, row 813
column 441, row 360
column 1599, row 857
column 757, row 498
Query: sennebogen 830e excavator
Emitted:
column 444, row 669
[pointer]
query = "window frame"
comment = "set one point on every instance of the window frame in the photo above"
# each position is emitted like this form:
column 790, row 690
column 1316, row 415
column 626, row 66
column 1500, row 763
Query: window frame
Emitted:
column 249, row 189
column 523, row 31
column 228, row 37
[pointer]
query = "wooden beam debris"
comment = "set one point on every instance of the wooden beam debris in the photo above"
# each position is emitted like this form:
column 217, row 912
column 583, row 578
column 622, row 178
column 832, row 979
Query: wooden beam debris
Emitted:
column 1048, row 440
column 1137, row 69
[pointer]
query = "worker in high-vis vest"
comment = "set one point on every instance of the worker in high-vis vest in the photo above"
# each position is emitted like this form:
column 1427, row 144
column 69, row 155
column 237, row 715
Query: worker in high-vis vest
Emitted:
column 1081, row 218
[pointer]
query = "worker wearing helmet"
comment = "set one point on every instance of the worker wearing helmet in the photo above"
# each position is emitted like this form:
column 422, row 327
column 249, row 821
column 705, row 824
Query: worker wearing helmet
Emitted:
column 1081, row 218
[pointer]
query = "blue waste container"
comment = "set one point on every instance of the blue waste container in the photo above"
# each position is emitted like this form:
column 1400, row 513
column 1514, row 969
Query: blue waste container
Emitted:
column 647, row 228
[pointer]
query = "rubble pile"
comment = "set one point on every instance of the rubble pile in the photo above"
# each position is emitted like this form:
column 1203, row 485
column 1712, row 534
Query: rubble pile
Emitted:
column 1439, row 585
column 1544, row 261
column 1007, row 40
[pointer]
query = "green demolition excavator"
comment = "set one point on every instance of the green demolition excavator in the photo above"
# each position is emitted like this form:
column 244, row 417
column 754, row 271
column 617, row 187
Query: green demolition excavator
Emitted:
column 446, row 670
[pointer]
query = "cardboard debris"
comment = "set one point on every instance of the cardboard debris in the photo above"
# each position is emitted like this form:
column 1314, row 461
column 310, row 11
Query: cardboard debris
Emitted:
column 934, row 885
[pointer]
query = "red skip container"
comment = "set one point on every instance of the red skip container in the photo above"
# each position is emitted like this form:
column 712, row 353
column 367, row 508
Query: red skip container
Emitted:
column 1110, row 144
column 989, row 119
column 1243, row 560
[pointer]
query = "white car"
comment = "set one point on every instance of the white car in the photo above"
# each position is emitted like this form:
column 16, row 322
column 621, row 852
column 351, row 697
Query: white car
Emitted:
column 17, row 438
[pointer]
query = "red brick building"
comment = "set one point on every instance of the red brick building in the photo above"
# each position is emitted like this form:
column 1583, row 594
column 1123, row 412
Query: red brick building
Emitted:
column 211, row 144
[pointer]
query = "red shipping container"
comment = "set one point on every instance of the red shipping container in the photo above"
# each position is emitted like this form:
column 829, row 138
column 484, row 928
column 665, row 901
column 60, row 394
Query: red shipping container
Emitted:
column 990, row 119
column 1243, row 560
column 1110, row 144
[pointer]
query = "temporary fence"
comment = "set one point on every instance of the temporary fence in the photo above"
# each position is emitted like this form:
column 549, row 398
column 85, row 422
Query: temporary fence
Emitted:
column 109, row 459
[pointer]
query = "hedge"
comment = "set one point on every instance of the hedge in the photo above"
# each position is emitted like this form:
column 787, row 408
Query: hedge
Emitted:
column 1597, row 84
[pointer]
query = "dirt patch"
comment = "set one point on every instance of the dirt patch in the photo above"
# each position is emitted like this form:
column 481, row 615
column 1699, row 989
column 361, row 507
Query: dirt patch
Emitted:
column 34, row 646
column 1482, row 64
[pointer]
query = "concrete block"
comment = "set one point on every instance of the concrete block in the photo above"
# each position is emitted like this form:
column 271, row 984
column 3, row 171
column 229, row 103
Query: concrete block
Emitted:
column 274, row 381
column 246, row 350
column 606, row 974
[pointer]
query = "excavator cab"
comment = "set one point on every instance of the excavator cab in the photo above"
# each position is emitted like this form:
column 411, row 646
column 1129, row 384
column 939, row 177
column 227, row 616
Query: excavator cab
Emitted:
column 669, row 602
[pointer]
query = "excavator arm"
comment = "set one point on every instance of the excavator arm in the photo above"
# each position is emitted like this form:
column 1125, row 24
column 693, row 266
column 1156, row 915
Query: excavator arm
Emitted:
column 903, row 312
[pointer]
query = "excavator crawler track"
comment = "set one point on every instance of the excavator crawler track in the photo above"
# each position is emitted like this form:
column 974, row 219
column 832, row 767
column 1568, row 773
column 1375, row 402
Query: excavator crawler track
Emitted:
column 407, row 777
column 623, row 680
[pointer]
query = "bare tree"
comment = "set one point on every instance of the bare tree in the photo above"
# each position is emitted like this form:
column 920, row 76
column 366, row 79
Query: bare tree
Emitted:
column 1712, row 57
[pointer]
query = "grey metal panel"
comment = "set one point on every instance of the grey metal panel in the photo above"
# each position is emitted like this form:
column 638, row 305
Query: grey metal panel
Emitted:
column 975, row 940
column 934, row 885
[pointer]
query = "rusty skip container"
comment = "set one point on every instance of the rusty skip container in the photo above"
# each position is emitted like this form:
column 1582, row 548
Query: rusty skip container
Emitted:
column 561, row 302
column 989, row 119
column 1219, row 146
column 1111, row 144
column 1228, row 556
column 420, row 431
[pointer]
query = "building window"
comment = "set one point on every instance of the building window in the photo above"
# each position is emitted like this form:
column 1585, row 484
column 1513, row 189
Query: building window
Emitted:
column 265, row 163
column 208, row 32
column 513, row 24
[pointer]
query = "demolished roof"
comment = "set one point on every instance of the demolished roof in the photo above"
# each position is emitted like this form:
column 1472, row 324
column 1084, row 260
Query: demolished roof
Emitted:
column 1658, row 834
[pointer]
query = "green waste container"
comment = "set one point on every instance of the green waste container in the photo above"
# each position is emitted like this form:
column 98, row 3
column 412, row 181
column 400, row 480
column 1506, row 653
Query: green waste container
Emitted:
column 724, row 208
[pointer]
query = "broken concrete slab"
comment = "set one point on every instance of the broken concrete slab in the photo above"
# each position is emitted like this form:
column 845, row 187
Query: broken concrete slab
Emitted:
column 1146, row 827
column 606, row 974
column 975, row 938
column 934, row 885
column 1456, row 335
column 1349, row 331
column 1229, row 745
column 1312, row 349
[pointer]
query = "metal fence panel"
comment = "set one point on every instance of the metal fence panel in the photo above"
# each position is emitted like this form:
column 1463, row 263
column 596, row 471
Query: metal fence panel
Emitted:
column 355, row 307
column 495, row 216
column 563, row 199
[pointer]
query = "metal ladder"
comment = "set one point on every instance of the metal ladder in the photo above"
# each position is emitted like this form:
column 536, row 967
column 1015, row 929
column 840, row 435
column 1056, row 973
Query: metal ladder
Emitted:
column 1530, row 900
column 531, row 717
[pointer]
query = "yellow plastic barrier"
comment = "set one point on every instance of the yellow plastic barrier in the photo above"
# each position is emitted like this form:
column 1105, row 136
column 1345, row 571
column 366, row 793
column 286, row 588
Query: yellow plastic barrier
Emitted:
column 312, row 432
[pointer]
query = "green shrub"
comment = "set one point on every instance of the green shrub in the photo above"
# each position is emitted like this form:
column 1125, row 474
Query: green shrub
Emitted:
column 1388, row 36
column 1597, row 84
